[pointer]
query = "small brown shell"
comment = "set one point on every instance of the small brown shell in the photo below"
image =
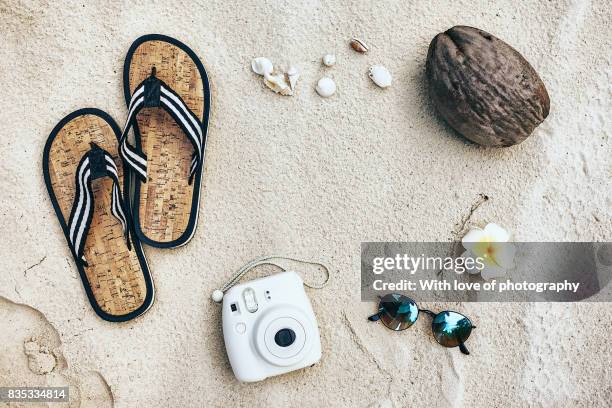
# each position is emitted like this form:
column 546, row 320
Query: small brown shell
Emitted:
column 359, row 45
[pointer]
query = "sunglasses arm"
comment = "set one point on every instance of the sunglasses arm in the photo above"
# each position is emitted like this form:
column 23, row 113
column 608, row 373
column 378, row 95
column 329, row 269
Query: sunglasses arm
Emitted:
column 464, row 349
column 374, row 317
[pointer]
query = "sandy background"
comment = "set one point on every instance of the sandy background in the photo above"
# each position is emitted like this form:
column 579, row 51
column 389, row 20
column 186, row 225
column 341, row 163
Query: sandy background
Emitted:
column 313, row 178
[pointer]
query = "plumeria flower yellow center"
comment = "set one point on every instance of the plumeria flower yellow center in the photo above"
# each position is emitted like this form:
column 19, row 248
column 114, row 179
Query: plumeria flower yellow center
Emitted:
column 492, row 245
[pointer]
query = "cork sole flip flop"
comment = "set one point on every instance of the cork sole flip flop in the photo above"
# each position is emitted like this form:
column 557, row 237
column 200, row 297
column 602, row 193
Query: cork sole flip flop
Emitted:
column 82, row 172
column 168, row 98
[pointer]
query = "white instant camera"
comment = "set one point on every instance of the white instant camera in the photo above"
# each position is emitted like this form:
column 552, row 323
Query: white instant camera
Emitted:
column 269, row 327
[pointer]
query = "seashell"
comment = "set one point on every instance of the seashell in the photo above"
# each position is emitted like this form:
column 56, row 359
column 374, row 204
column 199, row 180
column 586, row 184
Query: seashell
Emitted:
column 326, row 87
column 292, row 76
column 329, row 60
column 277, row 83
column 380, row 75
column 359, row 45
column 262, row 66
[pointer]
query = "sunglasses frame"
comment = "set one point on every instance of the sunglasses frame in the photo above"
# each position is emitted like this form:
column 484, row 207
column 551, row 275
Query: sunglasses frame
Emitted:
column 375, row 317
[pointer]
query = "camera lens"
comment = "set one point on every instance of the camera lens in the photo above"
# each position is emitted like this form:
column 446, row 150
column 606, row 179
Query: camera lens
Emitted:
column 284, row 337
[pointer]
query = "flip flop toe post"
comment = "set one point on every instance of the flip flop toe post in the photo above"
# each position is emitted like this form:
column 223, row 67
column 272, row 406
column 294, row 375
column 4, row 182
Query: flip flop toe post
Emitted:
column 168, row 98
column 83, row 174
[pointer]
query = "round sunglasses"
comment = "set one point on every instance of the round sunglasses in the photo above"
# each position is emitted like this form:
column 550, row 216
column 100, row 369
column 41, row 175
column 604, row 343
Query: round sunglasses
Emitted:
column 399, row 312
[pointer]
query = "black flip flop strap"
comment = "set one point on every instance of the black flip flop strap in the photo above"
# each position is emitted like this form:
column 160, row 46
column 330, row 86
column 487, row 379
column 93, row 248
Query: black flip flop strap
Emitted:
column 153, row 92
column 97, row 163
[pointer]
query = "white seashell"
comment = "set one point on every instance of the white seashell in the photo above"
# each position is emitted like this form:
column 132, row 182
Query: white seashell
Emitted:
column 292, row 75
column 262, row 66
column 277, row 83
column 329, row 60
column 326, row 87
column 380, row 75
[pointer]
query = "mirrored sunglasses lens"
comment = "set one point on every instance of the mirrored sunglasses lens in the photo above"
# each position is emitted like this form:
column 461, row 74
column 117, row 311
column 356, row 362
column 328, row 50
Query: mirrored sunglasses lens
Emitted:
column 397, row 312
column 451, row 328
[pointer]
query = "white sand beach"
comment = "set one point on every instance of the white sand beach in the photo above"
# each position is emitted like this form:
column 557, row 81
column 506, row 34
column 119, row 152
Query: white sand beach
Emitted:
column 310, row 177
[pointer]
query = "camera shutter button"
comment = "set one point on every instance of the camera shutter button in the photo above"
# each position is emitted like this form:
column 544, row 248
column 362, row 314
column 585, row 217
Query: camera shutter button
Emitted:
column 240, row 328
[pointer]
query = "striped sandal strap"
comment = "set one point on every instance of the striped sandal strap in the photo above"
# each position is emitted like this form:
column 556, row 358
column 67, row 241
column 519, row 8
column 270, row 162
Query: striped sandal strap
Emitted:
column 153, row 92
column 95, row 164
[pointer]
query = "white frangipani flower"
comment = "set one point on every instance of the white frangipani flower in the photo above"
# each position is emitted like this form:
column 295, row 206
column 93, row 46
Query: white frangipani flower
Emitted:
column 491, row 244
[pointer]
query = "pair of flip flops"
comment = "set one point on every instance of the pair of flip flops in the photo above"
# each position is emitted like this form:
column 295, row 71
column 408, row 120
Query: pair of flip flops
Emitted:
column 88, row 161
